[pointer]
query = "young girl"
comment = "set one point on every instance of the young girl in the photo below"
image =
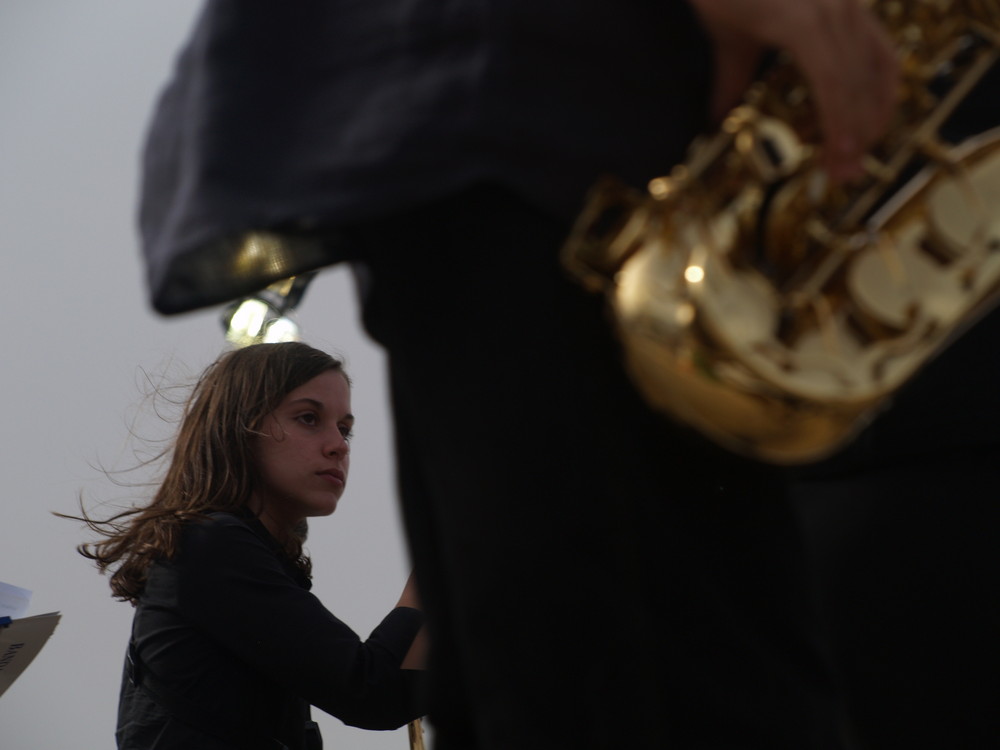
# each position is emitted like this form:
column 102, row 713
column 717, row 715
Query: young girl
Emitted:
column 228, row 647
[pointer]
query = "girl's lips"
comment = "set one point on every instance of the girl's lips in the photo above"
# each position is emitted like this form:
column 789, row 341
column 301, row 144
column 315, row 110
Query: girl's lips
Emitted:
column 333, row 475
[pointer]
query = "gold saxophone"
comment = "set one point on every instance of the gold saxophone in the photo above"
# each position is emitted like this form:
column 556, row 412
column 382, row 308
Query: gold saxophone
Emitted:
column 776, row 313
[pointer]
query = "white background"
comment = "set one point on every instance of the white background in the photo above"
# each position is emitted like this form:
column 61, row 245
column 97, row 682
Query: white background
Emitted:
column 77, row 339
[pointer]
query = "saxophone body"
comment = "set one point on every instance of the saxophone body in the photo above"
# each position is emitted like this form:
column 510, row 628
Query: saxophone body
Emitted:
column 777, row 313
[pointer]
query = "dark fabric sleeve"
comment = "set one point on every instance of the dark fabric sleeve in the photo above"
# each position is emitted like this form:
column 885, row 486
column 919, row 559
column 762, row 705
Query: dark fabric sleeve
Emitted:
column 234, row 589
column 306, row 118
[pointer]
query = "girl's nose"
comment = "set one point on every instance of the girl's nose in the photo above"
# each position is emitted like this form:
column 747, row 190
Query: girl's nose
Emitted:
column 337, row 444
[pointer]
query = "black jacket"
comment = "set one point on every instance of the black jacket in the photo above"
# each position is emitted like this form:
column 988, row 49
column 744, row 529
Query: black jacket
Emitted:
column 230, row 647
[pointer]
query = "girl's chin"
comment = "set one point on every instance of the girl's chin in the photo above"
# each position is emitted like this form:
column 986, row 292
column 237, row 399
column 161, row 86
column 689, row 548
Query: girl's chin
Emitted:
column 301, row 527
column 326, row 509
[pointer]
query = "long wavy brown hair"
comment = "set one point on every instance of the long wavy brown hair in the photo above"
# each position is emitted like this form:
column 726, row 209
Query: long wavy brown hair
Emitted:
column 211, row 466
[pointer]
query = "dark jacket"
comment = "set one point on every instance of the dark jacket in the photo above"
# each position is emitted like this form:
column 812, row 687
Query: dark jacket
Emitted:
column 303, row 117
column 229, row 647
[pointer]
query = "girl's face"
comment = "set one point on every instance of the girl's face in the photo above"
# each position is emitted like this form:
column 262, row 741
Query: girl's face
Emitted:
column 303, row 453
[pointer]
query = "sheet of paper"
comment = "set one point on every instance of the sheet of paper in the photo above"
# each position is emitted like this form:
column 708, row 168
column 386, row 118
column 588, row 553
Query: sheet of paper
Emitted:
column 13, row 601
column 20, row 643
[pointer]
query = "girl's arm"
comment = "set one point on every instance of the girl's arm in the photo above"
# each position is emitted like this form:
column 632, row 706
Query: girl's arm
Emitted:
column 416, row 657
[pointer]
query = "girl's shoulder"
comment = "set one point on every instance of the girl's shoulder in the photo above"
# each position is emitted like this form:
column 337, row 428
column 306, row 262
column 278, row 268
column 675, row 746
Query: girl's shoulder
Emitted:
column 224, row 533
column 222, row 540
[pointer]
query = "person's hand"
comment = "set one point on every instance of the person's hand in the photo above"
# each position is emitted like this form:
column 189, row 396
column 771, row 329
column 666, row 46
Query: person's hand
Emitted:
column 842, row 50
column 410, row 596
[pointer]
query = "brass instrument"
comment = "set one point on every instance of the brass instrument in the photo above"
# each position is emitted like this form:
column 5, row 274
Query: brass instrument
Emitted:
column 265, row 317
column 415, row 733
column 777, row 313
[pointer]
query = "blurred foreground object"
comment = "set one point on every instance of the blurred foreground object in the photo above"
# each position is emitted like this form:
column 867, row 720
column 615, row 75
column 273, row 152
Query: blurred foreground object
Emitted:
column 265, row 316
column 777, row 312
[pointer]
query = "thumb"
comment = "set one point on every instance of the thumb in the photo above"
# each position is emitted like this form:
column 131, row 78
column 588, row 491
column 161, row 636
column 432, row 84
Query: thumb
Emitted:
column 736, row 60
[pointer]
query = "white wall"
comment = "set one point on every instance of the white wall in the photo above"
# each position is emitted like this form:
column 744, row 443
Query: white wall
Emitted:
column 77, row 81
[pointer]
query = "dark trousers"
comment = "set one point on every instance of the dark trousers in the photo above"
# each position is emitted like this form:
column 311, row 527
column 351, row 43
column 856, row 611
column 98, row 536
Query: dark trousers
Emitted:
column 594, row 576
column 908, row 571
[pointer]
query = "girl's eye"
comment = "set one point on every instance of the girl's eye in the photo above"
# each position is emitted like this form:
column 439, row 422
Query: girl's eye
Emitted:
column 346, row 432
column 309, row 418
